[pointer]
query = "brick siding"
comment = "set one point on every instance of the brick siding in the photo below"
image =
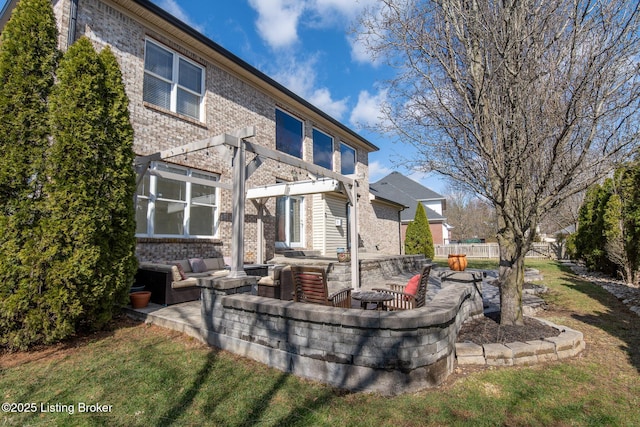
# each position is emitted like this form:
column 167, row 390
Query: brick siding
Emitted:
column 230, row 103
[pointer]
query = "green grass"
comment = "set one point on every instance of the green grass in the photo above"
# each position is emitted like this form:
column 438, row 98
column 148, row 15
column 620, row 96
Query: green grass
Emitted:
column 151, row 376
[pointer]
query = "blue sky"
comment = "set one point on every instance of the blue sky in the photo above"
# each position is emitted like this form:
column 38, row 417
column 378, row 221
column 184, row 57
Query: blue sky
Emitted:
column 308, row 46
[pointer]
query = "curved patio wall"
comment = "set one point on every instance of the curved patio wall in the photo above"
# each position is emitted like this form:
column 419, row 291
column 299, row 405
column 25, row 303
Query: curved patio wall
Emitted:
column 359, row 350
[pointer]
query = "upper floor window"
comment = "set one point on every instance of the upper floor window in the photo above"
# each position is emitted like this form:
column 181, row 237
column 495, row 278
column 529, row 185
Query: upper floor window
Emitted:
column 176, row 201
column 322, row 149
column 289, row 134
column 172, row 81
column 347, row 160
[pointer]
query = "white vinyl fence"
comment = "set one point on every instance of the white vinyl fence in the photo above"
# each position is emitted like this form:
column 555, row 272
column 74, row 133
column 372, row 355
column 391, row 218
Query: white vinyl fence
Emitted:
column 490, row 250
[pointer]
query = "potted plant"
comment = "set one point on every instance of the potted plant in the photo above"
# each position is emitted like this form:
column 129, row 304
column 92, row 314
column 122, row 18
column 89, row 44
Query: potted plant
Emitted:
column 343, row 255
column 457, row 262
column 140, row 299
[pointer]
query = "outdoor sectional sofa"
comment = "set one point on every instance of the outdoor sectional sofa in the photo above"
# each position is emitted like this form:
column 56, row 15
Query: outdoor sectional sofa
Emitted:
column 172, row 282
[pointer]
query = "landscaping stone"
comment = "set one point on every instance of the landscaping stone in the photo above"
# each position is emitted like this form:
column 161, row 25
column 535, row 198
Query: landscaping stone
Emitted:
column 498, row 355
column 469, row 354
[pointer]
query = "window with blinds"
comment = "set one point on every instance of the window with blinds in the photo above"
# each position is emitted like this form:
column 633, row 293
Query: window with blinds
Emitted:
column 172, row 82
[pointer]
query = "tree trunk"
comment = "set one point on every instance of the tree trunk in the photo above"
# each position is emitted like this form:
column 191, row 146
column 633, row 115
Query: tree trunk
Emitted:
column 511, row 278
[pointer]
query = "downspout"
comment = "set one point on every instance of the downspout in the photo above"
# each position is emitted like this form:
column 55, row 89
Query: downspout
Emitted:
column 400, row 243
column 73, row 18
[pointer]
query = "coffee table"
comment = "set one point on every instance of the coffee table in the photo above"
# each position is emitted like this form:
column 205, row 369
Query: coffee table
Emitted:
column 373, row 297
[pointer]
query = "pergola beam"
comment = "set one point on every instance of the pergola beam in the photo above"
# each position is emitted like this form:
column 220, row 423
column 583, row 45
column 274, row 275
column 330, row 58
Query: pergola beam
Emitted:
column 237, row 141
column 296, row 162
column 230, row 139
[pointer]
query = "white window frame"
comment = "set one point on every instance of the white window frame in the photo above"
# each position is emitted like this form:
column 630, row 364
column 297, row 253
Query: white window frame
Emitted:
column 175, row 79
column 188, row 178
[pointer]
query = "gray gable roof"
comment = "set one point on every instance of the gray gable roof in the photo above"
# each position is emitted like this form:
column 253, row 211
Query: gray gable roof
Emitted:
column 403, row 190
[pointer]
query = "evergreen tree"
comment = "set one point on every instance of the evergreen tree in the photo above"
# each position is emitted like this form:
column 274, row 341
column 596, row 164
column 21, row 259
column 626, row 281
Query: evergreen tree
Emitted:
column 89, row 227
column 622, row 223
column 418, row 239
column 631, row 196
column 28, row 58
column 608, row 236
column 590, row 239
column 122, row 181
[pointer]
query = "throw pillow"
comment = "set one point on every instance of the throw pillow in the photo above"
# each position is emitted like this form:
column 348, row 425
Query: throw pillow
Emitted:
column 181, row 275
column 412, row 285
column 197, row 265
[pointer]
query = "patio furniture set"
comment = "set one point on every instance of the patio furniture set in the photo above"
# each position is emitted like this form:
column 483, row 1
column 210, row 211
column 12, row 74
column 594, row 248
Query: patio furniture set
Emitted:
column 173, row 282
column 310, row 286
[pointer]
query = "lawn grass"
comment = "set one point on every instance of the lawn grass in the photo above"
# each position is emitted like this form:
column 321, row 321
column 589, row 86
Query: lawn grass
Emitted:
column 151, row 376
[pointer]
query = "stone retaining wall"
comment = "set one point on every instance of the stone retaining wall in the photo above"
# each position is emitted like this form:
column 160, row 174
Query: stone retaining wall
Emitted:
column 360, row 350
column 568, row 344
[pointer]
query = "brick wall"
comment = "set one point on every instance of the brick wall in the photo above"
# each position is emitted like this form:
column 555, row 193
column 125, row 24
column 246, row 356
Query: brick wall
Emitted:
column 230, row 103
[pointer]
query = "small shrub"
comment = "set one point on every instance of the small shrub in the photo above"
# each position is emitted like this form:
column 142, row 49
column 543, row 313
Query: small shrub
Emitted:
column 418, row 239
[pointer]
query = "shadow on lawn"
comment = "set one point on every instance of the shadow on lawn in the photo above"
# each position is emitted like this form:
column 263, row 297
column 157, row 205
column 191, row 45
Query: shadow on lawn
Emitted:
column 296, row 414
column 617, row 321
column 189, row 395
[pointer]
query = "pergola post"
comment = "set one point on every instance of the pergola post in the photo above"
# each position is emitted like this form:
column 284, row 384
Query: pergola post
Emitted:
column 259, row 205
column 238, row 211
column 353, row 218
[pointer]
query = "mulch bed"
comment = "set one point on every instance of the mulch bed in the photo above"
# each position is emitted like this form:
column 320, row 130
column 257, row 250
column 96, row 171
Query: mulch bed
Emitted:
column 487, row 330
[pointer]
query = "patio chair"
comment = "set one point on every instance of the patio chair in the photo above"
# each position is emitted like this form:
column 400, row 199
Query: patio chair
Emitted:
column 403, row 300
column 310, row 286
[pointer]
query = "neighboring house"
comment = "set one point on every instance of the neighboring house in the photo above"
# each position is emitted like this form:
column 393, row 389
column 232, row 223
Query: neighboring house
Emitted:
column 406, row 191
column 183, row 88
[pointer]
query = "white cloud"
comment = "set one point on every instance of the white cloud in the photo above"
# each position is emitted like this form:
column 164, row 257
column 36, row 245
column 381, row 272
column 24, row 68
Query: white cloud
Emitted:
column 173, row 8
column 322, row 99
column 278, row 21
column 360, row 52
column 331, row 10
column 368, row 111
column 300, row 77
column 377, row 171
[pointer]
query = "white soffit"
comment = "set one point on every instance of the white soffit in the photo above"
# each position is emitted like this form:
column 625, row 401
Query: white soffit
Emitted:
column 296, row 188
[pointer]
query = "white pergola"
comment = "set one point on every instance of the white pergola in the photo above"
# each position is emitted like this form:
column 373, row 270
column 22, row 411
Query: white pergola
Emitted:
column 234, row 146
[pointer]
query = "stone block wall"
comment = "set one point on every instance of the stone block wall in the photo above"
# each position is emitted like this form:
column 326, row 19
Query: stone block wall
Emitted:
column 376, row 272
column 155, row 250
column 360, row 350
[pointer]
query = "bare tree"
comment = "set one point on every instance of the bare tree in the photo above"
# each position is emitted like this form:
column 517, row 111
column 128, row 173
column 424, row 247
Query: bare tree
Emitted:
column 525, row 102
column 470, row 216
column 565, row 215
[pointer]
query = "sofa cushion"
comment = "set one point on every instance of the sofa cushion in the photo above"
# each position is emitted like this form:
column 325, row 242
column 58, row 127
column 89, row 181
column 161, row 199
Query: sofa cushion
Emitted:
column 187, row 283
column 219, row 273
column 177, row 273
column 197, row 265
column 196, row 275
column 214, row 263
column 266, row 281
column 186, row 267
